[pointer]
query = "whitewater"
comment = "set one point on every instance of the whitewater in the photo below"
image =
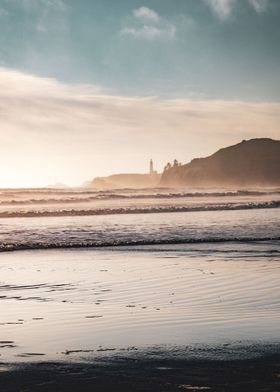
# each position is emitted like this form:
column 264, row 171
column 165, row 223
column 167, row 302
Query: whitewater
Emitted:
column 57, row 218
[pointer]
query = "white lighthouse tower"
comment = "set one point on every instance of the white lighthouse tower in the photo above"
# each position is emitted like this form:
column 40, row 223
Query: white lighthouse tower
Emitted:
column 151, row 167
column 152, row 171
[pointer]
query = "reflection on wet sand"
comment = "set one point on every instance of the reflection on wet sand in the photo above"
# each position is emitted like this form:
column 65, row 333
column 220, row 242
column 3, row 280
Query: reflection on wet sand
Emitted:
column 90, row 302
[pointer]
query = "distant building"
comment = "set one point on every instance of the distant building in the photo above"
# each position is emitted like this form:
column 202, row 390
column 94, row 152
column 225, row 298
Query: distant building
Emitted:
column 152, row 171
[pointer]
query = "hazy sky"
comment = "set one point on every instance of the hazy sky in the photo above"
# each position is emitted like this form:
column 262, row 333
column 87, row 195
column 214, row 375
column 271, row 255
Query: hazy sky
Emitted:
column 94, row 87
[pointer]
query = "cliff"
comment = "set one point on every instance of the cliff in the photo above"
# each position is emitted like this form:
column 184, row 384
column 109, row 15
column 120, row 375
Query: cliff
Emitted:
column 126, row 181
column 255, row 162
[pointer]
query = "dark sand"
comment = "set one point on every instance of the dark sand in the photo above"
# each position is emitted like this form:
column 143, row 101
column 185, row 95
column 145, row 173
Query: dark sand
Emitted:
column 132, row 374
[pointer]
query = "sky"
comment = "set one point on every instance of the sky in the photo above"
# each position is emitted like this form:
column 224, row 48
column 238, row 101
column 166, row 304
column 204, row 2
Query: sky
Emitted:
column 90, row 88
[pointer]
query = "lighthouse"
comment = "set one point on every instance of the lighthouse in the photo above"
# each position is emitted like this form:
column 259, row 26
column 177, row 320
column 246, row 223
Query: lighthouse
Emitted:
column 152, row 171
column 151, row 166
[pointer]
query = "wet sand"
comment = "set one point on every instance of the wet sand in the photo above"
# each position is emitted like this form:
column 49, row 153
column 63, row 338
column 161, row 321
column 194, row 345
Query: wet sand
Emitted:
column 139, row 297
column 162, row 318
column 155, row 375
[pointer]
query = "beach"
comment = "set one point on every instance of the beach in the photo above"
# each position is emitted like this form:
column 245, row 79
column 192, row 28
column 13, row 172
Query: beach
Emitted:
column 150, row 301
column 167, row 317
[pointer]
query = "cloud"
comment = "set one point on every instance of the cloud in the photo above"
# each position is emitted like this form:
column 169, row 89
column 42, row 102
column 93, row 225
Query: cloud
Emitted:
column 146, row 13
column 68, row 130
column 223, row 8
column 3, row 12
column 57, row 5
column 259, row 5
column 150, row 32
column 77, row 107
column 47, row 15
column 147, row 24
column 47, row 96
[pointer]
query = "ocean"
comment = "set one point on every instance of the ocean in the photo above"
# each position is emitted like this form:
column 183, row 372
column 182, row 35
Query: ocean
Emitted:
column 86, row 273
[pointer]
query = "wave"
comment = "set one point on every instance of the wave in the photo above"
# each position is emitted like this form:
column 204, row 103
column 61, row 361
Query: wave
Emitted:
column 130, row 242
column 139, row 210
column 78, row 196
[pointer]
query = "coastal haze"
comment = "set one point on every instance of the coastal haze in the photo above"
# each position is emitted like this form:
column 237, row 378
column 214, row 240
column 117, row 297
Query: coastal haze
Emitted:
column 139, row 195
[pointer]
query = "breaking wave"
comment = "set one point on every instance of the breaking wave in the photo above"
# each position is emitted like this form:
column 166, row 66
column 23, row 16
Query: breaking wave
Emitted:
column 49, row 196
column 130, row 242
column 83, row 218
column 139, row 210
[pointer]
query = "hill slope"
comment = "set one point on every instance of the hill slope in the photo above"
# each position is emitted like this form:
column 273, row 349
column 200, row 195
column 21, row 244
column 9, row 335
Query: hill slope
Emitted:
column 125, row 181
column 255, row 162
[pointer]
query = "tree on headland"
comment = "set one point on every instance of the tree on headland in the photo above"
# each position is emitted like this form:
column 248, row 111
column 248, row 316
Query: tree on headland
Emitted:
column 168, row 166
